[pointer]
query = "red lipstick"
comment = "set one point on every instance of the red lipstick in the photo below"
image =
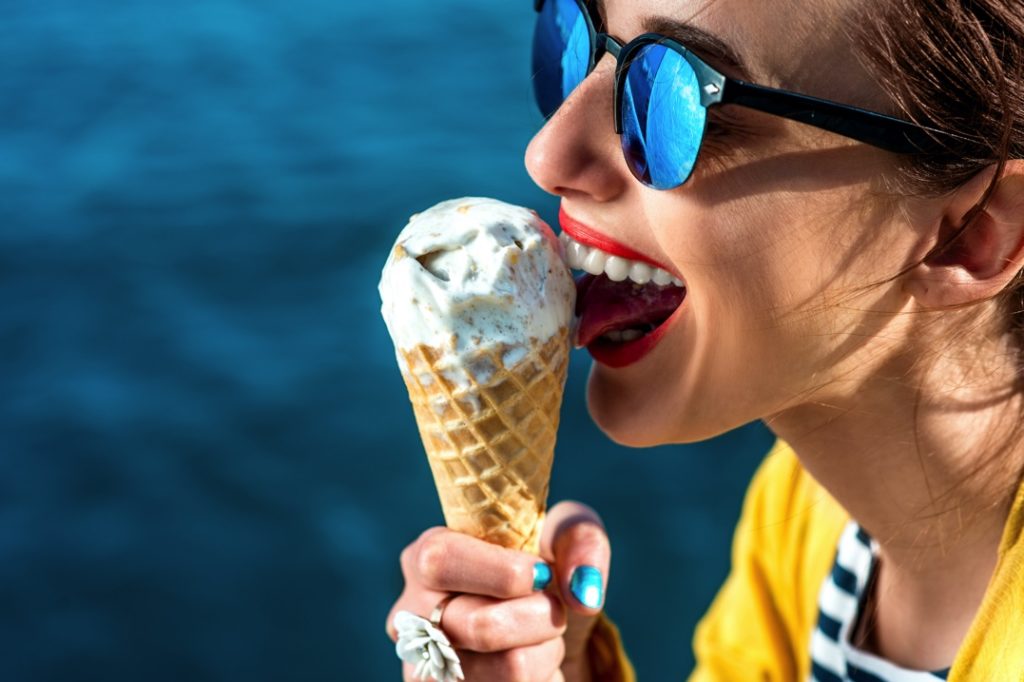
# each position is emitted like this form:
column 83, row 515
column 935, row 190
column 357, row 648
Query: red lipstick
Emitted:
column 591, row 237
column 616, row 355
column 605, row 306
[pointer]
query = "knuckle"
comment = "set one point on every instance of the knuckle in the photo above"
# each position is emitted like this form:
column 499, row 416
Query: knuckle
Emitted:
column 489, row 629
column 431, row 559
column 511, row 581
column 481, row 628
column 515, row 664
column 405, row 560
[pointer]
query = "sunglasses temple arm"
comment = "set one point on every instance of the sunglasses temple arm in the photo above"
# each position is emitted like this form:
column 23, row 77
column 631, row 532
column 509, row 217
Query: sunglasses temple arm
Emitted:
column 877, row 130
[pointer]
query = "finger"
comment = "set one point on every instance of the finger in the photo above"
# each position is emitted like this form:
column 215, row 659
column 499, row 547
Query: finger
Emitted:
column 486, row 624
column 446, row 561
column 419, row 602
column 582, row 554
column 523, row 664
column 483, row 624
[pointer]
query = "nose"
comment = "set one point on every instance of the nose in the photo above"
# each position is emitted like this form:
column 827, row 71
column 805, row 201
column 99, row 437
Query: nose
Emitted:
column 577, row 152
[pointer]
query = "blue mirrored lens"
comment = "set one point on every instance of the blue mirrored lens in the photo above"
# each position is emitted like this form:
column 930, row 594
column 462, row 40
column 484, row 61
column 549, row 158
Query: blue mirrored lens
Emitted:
column 662, row 117
column 561, row 53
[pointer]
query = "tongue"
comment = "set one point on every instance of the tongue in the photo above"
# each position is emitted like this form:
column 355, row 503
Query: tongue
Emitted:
column 604, row 305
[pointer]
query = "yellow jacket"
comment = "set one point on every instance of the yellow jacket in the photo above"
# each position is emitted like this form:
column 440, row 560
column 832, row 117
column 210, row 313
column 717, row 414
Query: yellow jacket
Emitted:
column 760, row 623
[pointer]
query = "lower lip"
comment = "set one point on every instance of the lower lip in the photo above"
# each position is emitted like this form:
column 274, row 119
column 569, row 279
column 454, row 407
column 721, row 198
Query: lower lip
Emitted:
column 618, row 355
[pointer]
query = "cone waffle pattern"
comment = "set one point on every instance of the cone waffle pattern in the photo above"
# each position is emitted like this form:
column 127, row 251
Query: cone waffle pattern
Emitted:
column 491, row 443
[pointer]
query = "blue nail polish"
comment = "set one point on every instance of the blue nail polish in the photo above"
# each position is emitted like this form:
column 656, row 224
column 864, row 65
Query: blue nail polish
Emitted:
column 585, row 585
column 541, row 575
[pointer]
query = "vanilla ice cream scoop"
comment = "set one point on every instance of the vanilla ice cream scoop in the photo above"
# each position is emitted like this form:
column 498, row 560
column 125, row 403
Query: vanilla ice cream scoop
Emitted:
column 480, row 307
column 475, row 271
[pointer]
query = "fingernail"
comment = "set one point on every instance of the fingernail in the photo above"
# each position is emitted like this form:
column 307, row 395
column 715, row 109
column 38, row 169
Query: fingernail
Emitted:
column 541, row 575
column 585, row 585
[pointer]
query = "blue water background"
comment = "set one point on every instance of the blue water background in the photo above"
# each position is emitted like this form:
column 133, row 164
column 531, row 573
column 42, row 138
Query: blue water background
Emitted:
column 209, row 463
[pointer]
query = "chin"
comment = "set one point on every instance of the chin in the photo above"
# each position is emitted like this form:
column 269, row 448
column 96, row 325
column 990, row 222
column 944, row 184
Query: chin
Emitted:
column 641, row 419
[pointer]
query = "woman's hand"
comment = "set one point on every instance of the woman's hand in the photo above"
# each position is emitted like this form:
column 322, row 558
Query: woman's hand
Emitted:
column 505, row 625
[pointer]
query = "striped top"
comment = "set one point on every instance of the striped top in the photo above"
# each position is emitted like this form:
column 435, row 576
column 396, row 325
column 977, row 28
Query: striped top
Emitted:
column 833, row 657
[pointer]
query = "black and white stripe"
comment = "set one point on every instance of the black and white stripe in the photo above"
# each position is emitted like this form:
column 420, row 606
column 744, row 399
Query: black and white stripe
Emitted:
column 833, row 658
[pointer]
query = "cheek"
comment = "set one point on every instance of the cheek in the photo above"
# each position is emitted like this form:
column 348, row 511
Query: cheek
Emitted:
column 768, row 317
column 751, row 263
column 747, row 341
column 768, row 276
column 781, row 302
column 781, row 254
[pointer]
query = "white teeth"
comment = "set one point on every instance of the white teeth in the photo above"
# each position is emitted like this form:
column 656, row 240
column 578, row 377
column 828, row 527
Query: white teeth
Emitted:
column 622, row 335
column 661, row 278
column 575, row 254
column 618, row 269
column 595, row 262
column 640, row 272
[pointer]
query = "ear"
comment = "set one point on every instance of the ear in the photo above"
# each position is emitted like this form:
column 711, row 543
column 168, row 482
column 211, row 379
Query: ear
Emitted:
column 990, row 252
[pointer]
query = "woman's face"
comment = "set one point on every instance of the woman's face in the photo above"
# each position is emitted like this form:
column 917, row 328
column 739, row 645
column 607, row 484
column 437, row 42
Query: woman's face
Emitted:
column 777, row 225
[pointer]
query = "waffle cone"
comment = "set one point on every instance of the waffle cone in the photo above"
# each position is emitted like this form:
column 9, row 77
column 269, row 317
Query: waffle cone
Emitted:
column 491, row 443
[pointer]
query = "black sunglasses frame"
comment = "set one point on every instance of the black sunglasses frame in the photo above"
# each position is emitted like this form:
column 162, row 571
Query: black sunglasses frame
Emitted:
column 878, row 130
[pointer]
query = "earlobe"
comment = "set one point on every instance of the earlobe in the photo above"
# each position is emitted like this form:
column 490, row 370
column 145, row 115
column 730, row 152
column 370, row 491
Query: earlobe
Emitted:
column 987, row 255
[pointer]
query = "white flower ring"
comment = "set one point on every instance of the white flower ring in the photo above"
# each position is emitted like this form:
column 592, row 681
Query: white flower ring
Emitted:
column 422, row 644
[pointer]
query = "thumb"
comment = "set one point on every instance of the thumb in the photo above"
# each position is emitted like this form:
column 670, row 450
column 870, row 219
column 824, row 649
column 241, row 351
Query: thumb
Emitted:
column 575, row 538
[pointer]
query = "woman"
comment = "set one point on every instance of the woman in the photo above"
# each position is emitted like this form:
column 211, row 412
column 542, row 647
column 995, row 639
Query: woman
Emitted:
column 852, row 279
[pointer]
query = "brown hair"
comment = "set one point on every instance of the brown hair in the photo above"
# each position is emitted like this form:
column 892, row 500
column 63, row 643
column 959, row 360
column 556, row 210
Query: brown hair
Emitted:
column 958, row 66
column 955, row 65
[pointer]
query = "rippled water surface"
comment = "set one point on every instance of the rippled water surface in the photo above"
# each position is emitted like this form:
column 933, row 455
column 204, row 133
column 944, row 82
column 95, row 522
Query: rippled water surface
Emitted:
column 209, row 464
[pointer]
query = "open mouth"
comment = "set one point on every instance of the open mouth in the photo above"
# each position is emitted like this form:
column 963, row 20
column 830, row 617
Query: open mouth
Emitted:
column 625, row 302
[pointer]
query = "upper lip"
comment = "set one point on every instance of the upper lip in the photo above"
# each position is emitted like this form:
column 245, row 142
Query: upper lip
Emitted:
column 589, row 236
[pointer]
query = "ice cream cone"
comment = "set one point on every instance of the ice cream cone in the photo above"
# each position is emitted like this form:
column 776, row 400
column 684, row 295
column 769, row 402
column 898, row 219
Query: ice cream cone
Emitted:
column 491, row 443
column 478, row 302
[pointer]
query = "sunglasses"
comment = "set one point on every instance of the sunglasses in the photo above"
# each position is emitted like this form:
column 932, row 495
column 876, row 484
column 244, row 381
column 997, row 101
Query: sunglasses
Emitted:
column 663, row 93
